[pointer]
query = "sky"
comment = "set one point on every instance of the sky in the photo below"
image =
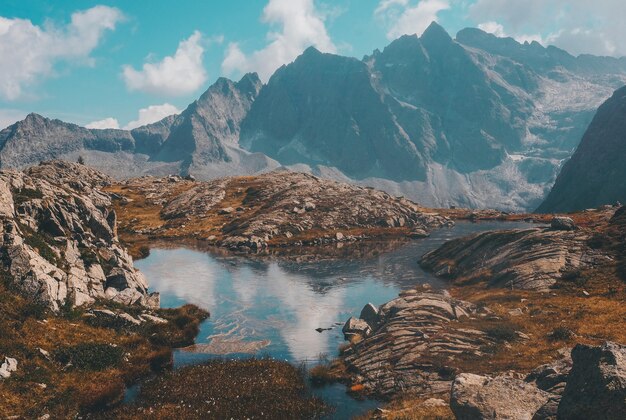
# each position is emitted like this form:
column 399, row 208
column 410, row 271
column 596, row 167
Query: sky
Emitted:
column 122, row 64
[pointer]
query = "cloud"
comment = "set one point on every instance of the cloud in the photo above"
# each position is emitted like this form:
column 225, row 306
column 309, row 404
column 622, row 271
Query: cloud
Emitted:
column 578, row 26
column 300, row 25
column 28, row 53
column 10, row 116
column 105, row 123
column 176, row 75
column 498, row 30
column 404, row 17
column 152, row 114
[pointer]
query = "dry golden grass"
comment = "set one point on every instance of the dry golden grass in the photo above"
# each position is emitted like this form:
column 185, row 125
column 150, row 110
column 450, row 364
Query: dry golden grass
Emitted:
column 410, row 408
column 44, row 385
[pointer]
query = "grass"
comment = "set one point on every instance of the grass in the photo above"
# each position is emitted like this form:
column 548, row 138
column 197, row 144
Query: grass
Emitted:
column 253, row 388
column 89, row 356
column 103, row 360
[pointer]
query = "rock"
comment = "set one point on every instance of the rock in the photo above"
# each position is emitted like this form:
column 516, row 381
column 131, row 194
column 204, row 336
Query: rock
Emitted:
column 416, row 335
column 9, row 365
column 596, row 384
column 479, row 397
column 355, row 327
column 369, row 314
column 63, row 236
column 418, row 234
column 528, row 259
column 563, row 223
column 190, row 177
column 279, row 208
column 154, row 319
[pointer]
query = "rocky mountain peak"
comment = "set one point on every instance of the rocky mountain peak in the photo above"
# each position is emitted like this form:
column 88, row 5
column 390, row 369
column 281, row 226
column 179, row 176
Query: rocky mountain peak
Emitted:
column 435, row 35
column 250, row 84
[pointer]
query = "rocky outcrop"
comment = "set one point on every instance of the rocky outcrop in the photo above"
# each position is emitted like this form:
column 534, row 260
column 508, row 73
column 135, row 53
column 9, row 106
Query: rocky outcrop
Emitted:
column 273, row 209
column 589, row 178
column 596, row 385
column 412, row 341
column 530, row 259
column 475, row 397
column 59, row 240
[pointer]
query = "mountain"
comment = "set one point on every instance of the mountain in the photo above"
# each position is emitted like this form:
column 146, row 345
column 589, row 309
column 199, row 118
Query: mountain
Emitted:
column 476, row 121
column 203, row 139
column 479, row 121
column 596, row 173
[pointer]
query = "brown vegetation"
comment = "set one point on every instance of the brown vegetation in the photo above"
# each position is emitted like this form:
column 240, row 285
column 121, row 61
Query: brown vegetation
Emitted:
column 67, row 366
column 252, row 388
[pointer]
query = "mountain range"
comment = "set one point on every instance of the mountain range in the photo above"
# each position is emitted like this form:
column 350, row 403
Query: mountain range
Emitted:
column 476, row 121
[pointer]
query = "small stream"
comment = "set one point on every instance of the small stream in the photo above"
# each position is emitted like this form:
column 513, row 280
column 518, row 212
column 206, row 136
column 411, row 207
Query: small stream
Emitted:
column 272, row 307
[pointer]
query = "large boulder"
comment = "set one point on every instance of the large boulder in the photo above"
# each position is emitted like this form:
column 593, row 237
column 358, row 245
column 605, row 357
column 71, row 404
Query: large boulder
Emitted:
column 596, row 385
column 476, row 397
column 563, row 223
column 370, row 314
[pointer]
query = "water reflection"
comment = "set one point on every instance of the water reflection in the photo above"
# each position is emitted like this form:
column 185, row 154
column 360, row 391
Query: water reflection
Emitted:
column 277, row 304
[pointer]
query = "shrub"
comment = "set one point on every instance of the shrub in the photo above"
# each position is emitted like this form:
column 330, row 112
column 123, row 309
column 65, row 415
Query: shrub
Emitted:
column 502, row 333
column 26, row 194
column 561, row 334
column 90, row 356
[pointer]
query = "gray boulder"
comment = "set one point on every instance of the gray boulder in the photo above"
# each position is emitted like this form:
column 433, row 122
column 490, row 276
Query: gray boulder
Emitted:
column 596, row 385
column 563, row 223
column 370, row 314
column 355, row 327
column 479, row 397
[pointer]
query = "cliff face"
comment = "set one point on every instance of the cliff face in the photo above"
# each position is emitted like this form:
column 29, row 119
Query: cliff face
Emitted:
column 595, row 174
column 59, row 238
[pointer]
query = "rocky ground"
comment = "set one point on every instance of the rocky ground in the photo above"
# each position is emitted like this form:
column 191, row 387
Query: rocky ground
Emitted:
column 77, row 324
column 266, row 211
column 547, row 347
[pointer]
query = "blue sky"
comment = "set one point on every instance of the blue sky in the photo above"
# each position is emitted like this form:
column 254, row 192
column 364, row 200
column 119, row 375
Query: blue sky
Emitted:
column 124, row 63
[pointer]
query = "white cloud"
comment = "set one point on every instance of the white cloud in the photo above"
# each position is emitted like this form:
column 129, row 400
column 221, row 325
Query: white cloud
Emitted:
column 105, row 123
column 498, row 30
column 493, row 28
column 404, row 17
column 578, row 26
column 300, row 24
column 180, row 74
column 28, row 53
column 10, row 116
column 152, row 114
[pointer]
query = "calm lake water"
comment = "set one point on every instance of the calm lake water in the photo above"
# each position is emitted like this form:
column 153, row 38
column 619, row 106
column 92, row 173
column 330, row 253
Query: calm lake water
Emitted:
column 272, row 307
